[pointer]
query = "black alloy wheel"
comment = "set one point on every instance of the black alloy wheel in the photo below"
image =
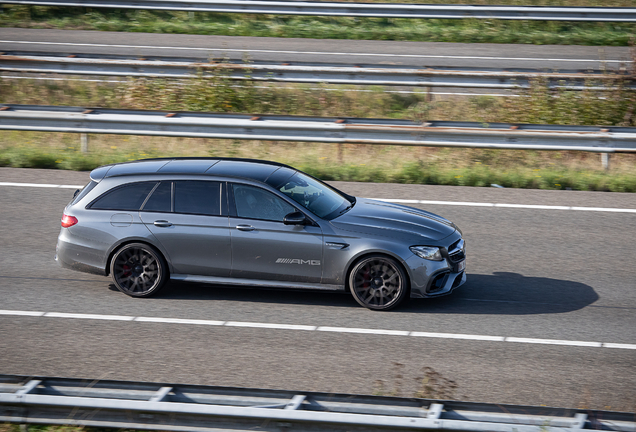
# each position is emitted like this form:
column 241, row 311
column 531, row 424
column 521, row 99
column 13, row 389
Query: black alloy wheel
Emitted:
column 138, row 270
column 378, row 282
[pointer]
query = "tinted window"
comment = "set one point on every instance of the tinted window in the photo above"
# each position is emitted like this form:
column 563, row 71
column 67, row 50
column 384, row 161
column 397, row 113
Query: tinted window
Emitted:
column 256, row 203
column 128, row 197
column 314, row 196
column 161, row 198
column 197, row 197
column 85, row 190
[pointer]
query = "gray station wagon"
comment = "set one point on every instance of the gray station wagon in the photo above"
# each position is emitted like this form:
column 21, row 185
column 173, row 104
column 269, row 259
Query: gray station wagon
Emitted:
column 254, row 223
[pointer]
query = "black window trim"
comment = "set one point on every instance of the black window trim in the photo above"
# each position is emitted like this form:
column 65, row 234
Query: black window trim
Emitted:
column 222, row 205
column 159, row 182
column 143, row 204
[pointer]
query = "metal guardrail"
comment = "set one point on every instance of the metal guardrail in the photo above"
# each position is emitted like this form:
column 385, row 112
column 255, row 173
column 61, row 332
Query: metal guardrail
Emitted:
column 382, row 10
column 317, row 129
column 165, row 67
column 160, row 406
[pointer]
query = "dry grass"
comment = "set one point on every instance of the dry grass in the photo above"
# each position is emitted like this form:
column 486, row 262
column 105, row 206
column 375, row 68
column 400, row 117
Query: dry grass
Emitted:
column 554, row 170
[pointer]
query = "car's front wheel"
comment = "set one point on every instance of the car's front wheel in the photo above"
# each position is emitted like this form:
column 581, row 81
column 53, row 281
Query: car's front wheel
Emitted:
column 138, row 270
column 378, row 282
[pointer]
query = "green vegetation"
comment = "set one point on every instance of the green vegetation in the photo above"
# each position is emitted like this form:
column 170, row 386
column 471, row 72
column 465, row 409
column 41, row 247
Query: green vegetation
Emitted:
column 433, row 30
column 460, row 167
column 218, row 93
column 470, row 167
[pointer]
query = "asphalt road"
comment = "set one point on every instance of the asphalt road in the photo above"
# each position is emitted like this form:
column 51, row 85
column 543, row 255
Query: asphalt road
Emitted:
column 546, row 274
column 420, row 54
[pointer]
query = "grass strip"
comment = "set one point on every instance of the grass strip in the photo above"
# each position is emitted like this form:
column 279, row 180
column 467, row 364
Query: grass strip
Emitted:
column 350, row 162
column 468, row 167
column 398, row 29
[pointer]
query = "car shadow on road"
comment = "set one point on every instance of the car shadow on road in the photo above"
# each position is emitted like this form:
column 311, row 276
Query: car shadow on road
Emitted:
column 510, row 294
column 499, row 293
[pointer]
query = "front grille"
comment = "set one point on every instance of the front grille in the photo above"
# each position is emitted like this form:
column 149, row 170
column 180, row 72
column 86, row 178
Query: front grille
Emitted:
column 457, row 256
column 457, row 251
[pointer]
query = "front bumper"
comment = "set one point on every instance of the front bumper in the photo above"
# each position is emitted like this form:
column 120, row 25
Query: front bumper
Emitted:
column 433, row 278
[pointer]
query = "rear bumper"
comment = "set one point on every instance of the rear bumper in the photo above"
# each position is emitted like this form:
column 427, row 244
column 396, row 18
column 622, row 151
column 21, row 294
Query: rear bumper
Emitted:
column 74, row 257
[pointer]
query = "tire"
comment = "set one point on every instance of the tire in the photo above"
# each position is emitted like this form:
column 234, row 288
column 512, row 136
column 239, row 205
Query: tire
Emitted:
column 138, row 270
column 378, row 282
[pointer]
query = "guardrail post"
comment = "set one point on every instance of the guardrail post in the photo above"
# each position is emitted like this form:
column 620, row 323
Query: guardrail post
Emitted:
column 605, row 160
column 84, row 142
column 429, row 95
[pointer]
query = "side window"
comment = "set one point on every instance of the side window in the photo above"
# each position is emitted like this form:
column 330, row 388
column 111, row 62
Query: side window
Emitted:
column 256, row 203
column 85, row 190
column 197, row 197
column 161, row 198
column 128, row 197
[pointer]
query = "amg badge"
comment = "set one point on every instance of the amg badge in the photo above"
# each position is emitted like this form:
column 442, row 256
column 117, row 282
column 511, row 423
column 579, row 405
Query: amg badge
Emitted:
column 297, row 261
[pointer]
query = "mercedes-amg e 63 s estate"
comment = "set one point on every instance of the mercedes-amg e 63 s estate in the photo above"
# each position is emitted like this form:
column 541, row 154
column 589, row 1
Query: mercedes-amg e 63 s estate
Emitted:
column 254, row 223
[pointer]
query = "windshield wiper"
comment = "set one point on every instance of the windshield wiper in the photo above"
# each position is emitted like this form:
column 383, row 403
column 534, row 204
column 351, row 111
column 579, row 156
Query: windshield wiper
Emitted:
column 346, row 209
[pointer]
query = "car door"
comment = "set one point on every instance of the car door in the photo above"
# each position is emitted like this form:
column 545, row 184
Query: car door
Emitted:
column 263, row 247
column 189, row 218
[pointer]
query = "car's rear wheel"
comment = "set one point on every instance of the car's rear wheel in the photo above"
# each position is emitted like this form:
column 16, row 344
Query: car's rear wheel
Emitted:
column 378, row 282
column 138, row 270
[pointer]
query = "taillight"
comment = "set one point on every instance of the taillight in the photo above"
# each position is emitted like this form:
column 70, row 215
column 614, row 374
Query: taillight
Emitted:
column 68, row 221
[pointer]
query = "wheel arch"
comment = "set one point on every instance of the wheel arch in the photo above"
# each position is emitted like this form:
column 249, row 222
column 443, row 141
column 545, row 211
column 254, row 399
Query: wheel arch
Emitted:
column 355, row 260
column 125, row 242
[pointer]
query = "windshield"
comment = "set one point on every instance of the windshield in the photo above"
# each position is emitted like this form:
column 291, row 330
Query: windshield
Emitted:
column 315, row 196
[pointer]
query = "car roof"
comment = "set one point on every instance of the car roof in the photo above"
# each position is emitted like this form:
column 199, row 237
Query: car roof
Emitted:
column 252, row 169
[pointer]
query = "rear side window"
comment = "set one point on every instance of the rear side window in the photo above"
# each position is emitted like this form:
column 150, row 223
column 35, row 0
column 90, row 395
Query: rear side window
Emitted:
column 128, row 197
column 197, row 197
column 85, row 190
column 161, row 199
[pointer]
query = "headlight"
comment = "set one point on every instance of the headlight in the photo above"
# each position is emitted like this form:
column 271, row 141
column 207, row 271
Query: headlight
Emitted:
column 427, row 252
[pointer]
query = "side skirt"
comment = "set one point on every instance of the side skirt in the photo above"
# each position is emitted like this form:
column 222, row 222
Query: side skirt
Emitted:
column 255, row 282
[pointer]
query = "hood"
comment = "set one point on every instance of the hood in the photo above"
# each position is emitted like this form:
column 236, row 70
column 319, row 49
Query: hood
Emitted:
column 393, row 220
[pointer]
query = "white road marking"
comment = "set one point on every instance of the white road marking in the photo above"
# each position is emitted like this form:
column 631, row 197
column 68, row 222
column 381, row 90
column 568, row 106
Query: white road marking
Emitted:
column 42, row 185
column 459, row 336
column 553, row 342
column 179, row 321
column 501, row 205
column 620, row 346
column 405, row 201
column 363, row 330
column 270, row 326
column 89, row 316
column 274, row 326
column 21, row 313
column 313, row 52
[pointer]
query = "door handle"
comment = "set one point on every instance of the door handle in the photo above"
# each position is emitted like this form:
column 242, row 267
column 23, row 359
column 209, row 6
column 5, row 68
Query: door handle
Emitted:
column 163, row 223
column 245, row 228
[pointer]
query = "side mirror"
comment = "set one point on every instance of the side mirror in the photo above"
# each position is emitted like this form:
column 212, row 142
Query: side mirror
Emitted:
column 295, row 218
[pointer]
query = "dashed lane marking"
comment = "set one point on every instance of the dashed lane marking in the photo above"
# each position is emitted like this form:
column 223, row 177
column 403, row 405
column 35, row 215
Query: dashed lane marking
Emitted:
column 295, row 327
